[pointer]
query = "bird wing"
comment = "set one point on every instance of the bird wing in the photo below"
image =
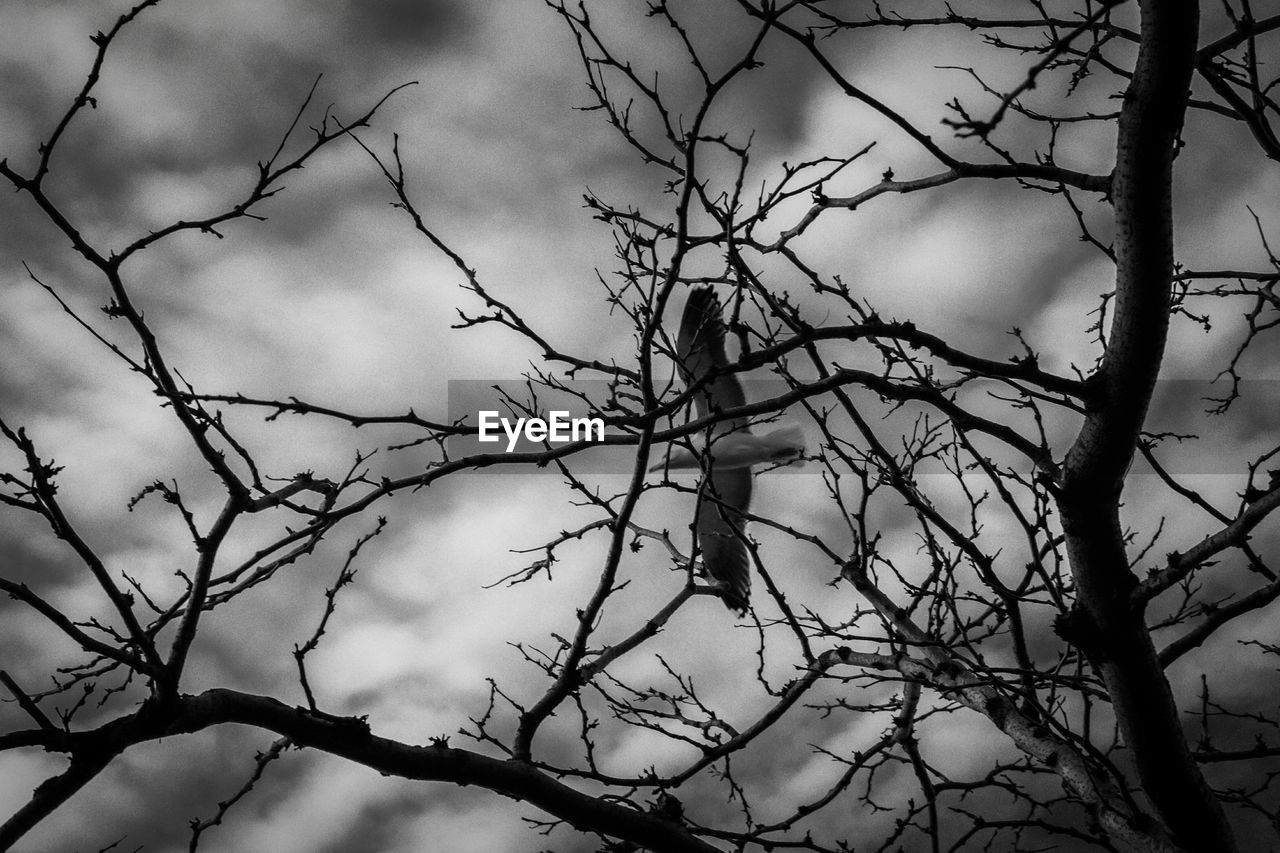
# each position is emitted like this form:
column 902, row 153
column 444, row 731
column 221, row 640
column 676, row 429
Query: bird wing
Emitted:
column 700, row 347
column 720, row 536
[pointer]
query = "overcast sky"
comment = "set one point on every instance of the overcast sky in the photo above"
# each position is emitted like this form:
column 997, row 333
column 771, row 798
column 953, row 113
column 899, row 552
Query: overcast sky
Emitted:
column 335, row 300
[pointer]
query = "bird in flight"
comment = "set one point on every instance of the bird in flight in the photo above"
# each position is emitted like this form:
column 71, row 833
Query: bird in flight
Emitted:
column 732, row 447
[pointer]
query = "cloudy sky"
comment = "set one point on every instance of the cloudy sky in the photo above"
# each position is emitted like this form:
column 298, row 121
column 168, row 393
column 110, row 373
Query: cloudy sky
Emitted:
column 334, row 299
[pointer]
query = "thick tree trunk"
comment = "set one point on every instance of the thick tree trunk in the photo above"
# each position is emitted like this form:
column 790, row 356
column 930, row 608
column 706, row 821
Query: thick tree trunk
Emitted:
column 1107, row 626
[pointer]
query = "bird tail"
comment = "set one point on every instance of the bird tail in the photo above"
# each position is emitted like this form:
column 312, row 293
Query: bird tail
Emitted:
column 790, row 435
column 677, row 458
column 736, row 600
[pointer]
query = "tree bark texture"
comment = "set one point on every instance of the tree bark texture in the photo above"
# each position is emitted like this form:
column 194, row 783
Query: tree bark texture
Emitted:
column 1114, row 632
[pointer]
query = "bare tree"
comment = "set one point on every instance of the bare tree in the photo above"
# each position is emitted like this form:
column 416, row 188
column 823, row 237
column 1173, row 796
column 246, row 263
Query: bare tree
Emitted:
column 991, row 562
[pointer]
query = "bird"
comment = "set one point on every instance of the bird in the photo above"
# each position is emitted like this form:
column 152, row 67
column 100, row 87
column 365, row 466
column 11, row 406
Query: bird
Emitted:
column 732, row 447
